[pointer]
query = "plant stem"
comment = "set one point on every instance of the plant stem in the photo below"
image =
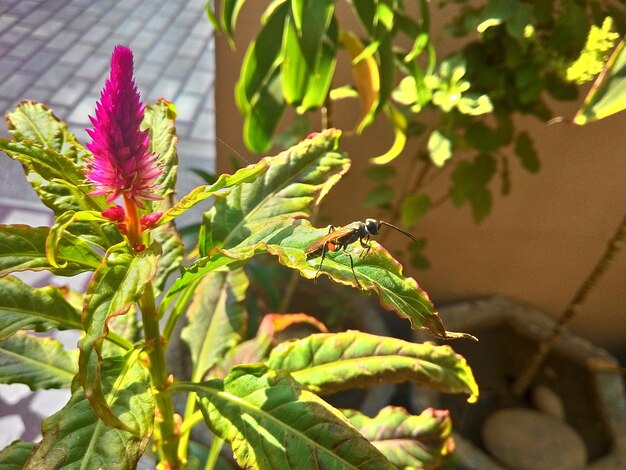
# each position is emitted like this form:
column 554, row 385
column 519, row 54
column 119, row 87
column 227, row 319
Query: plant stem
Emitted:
column 523, row 379
column 214, row 452
column 168, row 442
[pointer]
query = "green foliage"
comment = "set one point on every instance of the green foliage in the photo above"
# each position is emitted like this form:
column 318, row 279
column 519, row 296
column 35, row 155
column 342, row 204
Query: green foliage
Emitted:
column 275, row 422
column 406, row 440
column 608, row 94
column 515, row 53
column 253, row 387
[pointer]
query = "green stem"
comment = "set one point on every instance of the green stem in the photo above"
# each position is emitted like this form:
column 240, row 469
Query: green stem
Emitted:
column 186, row 426
column 168, row 443
column 214, row 452
column 120, row 341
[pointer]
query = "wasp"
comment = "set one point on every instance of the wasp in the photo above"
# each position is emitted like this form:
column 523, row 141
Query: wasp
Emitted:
column 341, row 237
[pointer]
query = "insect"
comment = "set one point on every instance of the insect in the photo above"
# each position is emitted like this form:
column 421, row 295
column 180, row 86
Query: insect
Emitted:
column 340, row 237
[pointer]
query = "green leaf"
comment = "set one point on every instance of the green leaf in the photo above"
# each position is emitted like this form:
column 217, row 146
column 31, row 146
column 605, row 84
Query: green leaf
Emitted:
column 261, row 122
column 414, row 207
column 75, row 438
column 173, row 252
column 23, row 248
column 63, row 222
column 303, row 37
column 470, row 182
column 57, row 179
column 380, row 173
column 230, row 12
column 295, row 182
column 482, row 137
column 376, row 271
column 159, row 121
column 124, row 326
column 23, row 307
column 408, row 441
column 331, row 362
column 37, row 123
column 217, row 319
column 379, row 197
column 257, row 349
column 40, row 363
column 261, row 61
column 14, row 456
column 400, row 136
column 526, row 152
column 114, row 288
column 440, row 146
column 608, row 94
column 60, row 183
column 272, row 422
column 221, row 187
column 318, row 87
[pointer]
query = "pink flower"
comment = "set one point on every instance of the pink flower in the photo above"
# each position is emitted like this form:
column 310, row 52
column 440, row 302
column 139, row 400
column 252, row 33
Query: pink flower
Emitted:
column 121, row 165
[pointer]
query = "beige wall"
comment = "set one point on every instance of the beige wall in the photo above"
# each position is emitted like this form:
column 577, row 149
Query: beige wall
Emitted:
column 538, row 244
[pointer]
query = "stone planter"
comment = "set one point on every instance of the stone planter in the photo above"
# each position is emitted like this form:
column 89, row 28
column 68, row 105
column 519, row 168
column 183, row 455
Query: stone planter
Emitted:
column 579, row 384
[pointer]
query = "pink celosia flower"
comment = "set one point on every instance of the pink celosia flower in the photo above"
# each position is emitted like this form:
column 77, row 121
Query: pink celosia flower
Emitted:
column 150, row 220
column 121, row 165
column 115, row 213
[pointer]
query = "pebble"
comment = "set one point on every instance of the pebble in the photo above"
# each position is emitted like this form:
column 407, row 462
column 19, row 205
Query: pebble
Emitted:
column 547, row 401
column 530, row 440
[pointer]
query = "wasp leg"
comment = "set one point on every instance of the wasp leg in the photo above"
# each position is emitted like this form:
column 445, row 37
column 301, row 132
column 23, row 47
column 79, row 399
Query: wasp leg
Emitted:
column 352, row 266
column 365, row 244
column 319, row 268
column 353, row 273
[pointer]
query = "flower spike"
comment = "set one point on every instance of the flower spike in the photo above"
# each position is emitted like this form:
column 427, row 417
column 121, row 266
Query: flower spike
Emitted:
column 122, row 164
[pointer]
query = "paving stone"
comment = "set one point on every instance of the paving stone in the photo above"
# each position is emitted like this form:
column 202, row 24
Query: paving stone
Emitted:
column 187, row 104
column 192, row 47
column 202, row 29
column 204, row 126
column 93, row 67
column 128, row 28
column 79, row 117
column 175, row 35
column 199, row 81
column 62, row 41
column 15, row 35
column 14, row 86
column 157, row 23
column 114, row 17
column 40, row 62
column 23, row 7
column 83, row 23
column 70, row 93
column 180, row 67
column 36, row 17
column 39, row 94
column 26, row 48
column 96, row 34
column 55, row 76
column 141, row 44
column 77, row 54
column 9, row 65
column 49, row 29
column 165, row 87
column 161, row 53
column 7, row 21
column 148, row 73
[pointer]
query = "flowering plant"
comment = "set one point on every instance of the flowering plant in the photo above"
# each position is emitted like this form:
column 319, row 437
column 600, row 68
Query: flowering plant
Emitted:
column 258, row 394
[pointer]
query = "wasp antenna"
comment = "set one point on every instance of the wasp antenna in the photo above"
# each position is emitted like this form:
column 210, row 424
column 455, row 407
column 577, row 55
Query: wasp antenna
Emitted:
column 401, row 231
